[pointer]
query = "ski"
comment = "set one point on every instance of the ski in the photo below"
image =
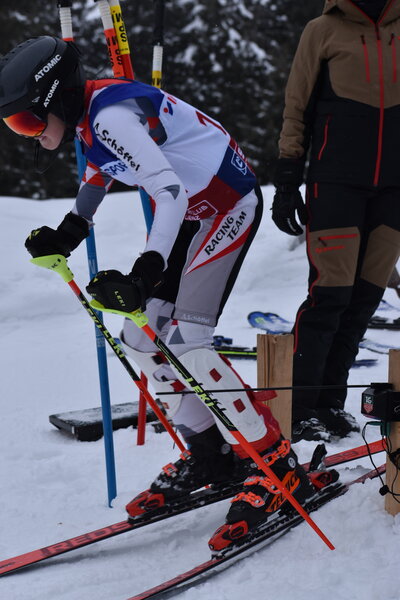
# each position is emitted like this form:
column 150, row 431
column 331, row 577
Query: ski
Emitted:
column 196, row 500
column 334, row 460
column 364, row 362
column 224, row 346
column 279, row 526
column 385, row 306
column 269, row 322
column 240, row 352
column 274, row 324
column 376, row 347
column 384, row 323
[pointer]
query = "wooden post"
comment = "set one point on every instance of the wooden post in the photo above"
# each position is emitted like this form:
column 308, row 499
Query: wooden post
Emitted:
column 275, row 369
column 392, row 476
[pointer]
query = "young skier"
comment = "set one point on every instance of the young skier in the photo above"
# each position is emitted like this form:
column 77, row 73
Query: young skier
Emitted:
column 207, row 210
column 342, row 101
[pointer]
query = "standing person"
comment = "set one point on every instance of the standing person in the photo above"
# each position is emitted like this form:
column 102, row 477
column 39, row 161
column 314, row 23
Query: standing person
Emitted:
column 207, row 210
column 342, row 104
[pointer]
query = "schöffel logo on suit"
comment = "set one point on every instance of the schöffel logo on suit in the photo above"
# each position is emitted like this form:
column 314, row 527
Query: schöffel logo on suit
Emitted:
column 104, row 136
column 230, row 228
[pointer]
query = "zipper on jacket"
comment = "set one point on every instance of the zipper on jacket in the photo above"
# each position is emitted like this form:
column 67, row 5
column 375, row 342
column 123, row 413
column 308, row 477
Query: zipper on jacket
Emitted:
column 381, row 105
column 366, row 59
column 326, row 130
column 392, row 43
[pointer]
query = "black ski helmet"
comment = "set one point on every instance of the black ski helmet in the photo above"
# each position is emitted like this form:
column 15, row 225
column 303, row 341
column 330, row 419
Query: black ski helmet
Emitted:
column 43, row 74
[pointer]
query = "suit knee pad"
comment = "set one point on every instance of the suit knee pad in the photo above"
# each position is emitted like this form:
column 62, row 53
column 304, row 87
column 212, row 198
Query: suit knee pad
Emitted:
column 214, row 373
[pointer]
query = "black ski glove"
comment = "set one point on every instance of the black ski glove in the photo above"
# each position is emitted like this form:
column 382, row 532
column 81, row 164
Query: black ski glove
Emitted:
column 128, row 292
column 68, row 235
column 287, row 199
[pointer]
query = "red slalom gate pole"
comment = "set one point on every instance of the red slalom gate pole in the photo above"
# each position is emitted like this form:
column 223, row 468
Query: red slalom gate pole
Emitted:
column 122, row 38
column 111, row 38
column 121, row 64
column 125, row 54
column 142, row 414
column 142, row 387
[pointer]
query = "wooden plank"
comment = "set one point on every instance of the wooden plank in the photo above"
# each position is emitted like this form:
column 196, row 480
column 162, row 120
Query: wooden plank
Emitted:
column 275, row 369
column 392, row 506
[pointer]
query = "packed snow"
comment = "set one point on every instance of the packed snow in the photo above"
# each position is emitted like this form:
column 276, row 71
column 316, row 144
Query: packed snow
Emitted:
column 54, row 487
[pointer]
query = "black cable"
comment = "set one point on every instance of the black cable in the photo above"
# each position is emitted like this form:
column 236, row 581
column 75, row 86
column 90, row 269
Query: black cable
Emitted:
column 392, row 456
column 272, row 389
column 387, row 447
column 363, row 433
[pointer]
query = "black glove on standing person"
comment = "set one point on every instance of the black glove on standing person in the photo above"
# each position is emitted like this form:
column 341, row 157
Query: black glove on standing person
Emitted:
column 288, row 178
column 68, row 235
column 128, row 292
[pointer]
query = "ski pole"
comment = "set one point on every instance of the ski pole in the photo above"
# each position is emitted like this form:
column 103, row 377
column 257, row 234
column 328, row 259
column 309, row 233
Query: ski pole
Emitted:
column 213, row 404
column 158, row 43
column 65, row 16
column 58, row 263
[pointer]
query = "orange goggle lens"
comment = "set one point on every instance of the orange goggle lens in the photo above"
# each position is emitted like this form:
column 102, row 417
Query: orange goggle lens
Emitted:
column 26, row 123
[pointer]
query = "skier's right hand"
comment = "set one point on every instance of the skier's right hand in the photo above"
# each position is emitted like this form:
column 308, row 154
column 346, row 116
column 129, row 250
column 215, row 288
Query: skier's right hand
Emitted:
column 68, row 235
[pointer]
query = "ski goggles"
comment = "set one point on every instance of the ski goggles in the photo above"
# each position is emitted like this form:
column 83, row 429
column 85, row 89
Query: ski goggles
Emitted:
column 26, row 123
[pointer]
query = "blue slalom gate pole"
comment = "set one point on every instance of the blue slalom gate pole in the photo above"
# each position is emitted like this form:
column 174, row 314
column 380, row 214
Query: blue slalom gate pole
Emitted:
column 64, row 7
column 101, row 357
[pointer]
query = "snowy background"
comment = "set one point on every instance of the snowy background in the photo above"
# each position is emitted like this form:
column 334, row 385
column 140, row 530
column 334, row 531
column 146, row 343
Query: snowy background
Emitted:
column 54, row 487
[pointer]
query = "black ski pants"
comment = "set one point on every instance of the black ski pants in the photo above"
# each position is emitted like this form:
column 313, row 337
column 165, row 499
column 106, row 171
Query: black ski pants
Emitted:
column 353, row 243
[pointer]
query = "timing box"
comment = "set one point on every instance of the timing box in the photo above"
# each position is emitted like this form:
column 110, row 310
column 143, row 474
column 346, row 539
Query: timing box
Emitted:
column 380, row 401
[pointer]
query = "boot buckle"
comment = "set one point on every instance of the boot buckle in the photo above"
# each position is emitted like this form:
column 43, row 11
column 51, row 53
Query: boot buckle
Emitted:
column 250, row 498
column 280, row 452
column 170, row 470
column 264, row 482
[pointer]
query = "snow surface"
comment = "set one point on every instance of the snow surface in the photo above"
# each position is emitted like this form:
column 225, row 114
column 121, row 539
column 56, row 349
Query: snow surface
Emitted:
column 54, row 487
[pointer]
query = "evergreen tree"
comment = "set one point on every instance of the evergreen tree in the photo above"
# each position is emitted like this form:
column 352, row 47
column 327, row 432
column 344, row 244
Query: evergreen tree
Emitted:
column 230, row 58
column 18, row 177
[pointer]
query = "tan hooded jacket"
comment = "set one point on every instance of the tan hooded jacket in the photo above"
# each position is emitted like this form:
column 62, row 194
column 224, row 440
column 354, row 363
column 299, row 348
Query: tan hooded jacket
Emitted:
column 343, row 96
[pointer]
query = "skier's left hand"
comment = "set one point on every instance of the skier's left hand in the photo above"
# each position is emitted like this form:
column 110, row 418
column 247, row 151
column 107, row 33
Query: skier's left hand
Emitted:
column 128, row 292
